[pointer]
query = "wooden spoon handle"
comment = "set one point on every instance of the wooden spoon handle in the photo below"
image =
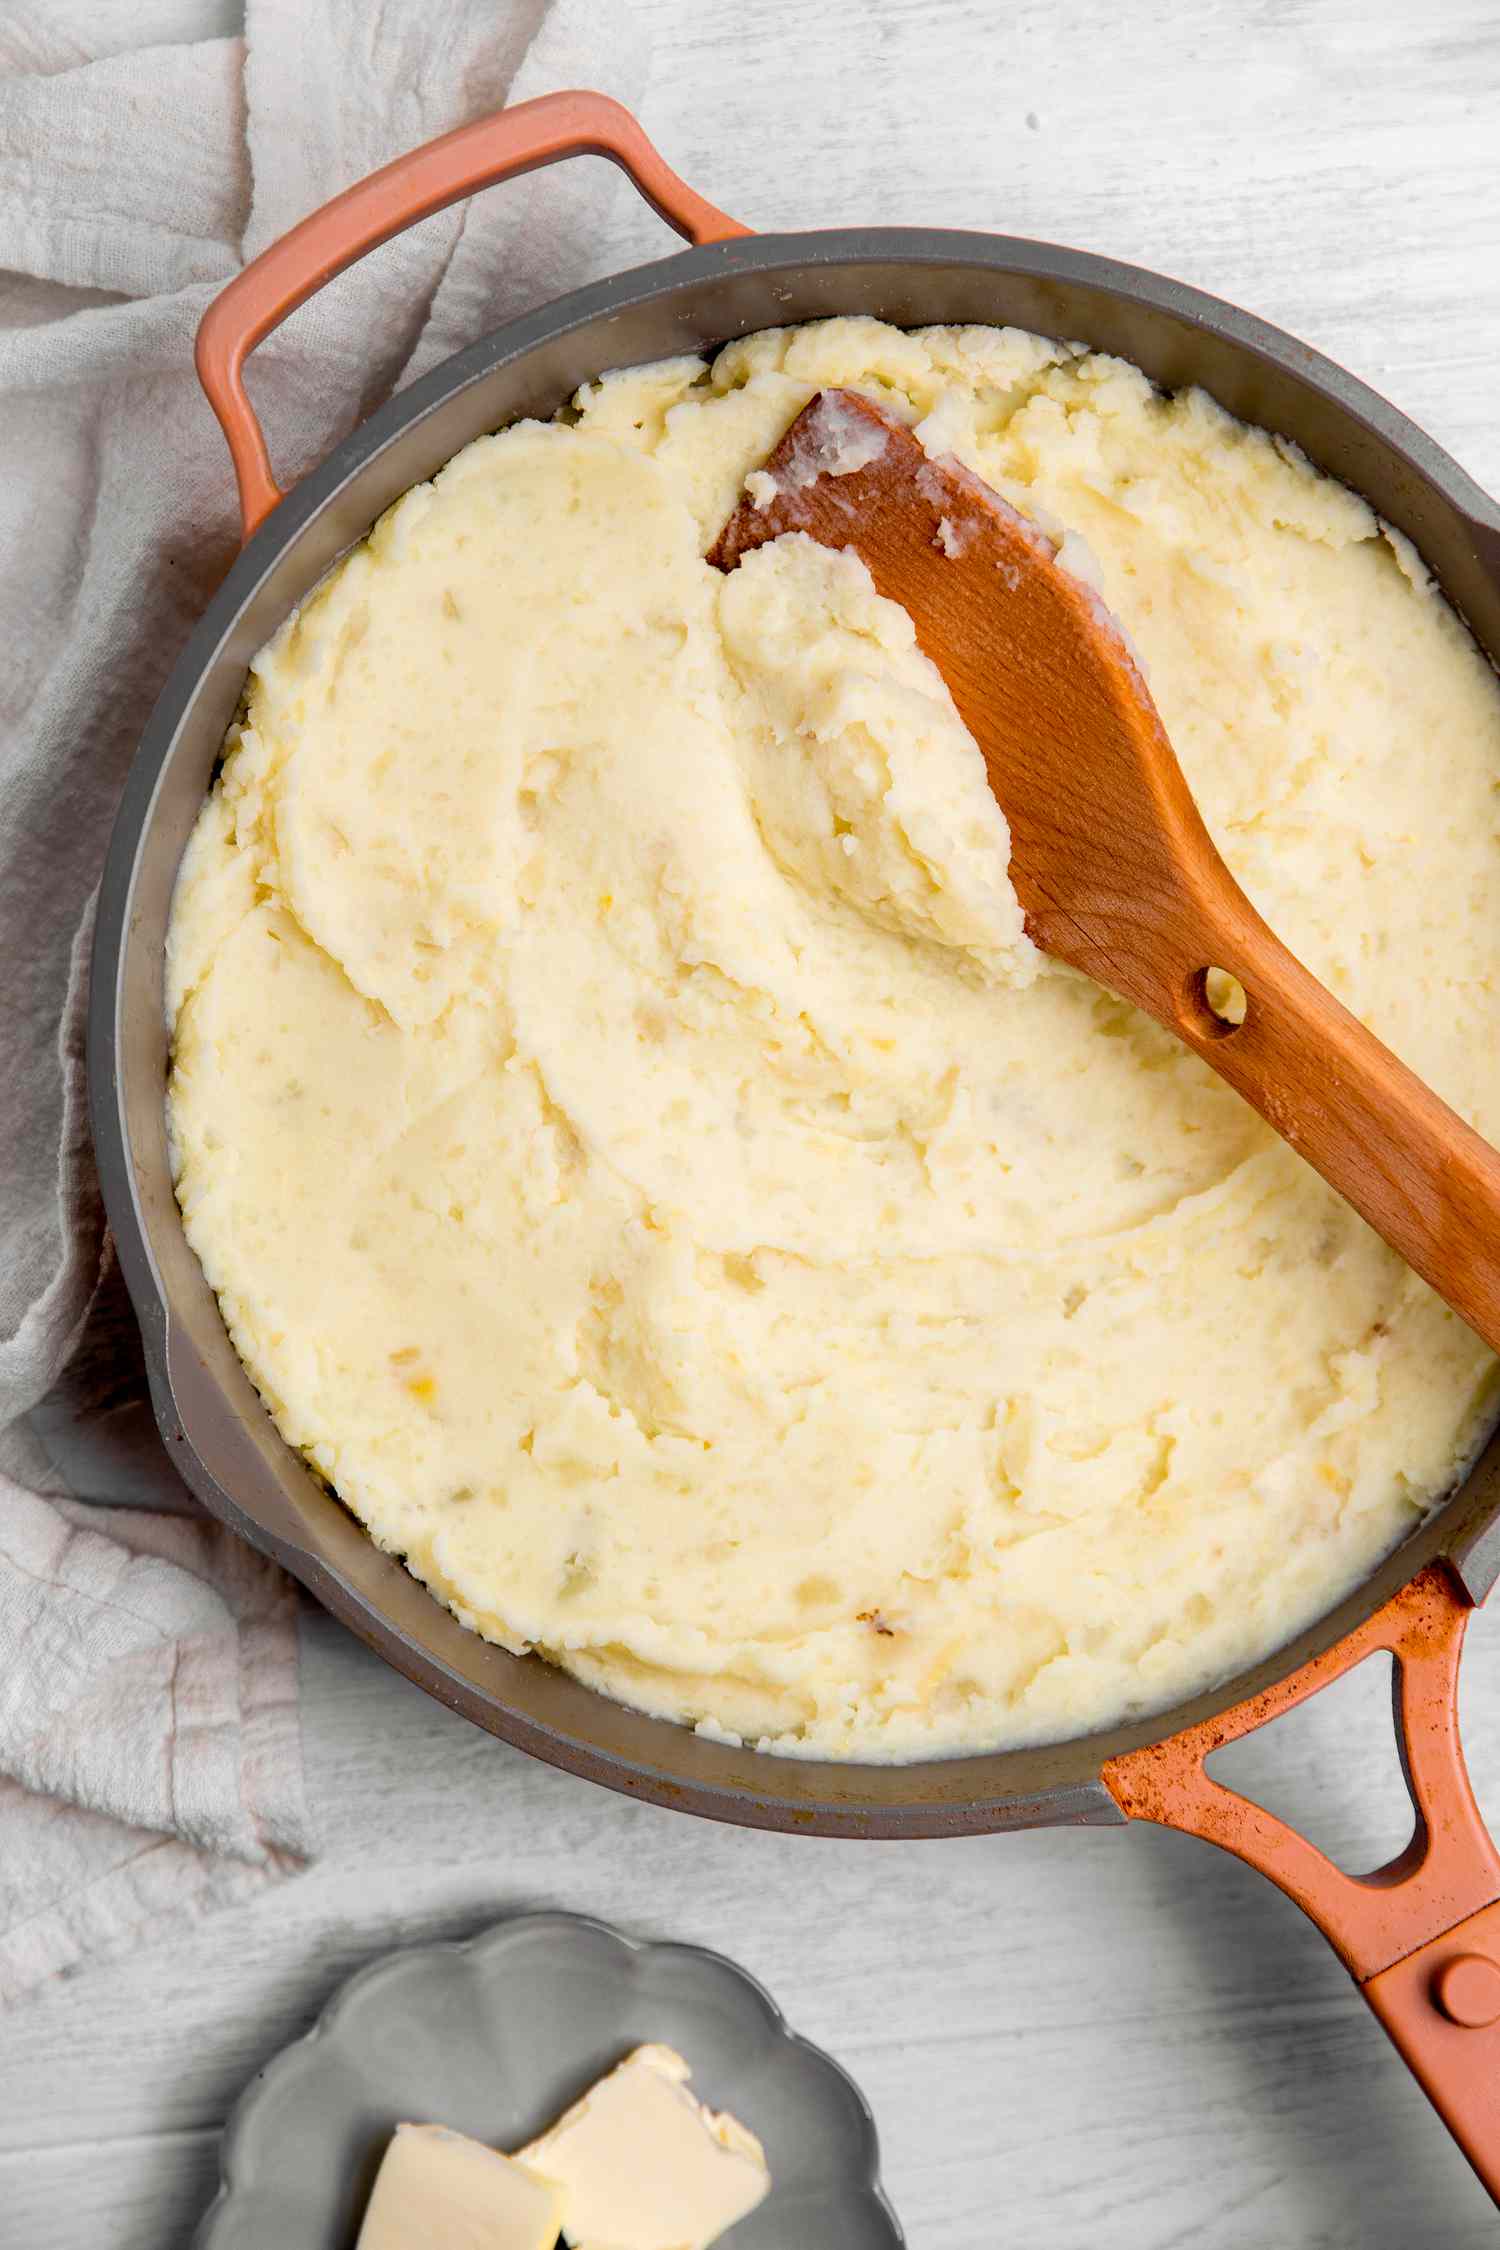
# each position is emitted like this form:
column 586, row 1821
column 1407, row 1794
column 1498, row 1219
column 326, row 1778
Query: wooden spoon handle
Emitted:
column 1409, row 1164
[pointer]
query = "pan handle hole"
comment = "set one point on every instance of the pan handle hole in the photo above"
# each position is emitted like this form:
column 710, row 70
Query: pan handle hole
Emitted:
column 1330, row 1769
column 1214, row 1003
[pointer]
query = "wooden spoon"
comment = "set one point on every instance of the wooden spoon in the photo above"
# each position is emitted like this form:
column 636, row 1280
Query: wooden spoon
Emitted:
column 1110, row 859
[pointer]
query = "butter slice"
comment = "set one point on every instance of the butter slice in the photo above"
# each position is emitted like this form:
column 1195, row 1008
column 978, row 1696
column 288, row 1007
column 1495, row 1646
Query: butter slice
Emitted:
column 436, row 2187
column 644, row 2166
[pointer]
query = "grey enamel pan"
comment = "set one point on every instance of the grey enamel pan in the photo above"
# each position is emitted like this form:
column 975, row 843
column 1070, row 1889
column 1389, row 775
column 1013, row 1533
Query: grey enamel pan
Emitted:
column 1401, row 1936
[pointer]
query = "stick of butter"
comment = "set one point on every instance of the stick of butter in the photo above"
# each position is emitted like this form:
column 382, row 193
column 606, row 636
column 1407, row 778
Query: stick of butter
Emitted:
column 644, row 2166
column 434, row 2186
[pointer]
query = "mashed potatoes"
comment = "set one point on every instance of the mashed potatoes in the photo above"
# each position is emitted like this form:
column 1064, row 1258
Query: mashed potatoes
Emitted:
column 648, row 1171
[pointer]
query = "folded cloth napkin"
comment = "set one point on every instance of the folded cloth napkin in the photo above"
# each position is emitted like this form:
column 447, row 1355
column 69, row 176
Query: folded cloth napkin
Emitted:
column 150, row 1756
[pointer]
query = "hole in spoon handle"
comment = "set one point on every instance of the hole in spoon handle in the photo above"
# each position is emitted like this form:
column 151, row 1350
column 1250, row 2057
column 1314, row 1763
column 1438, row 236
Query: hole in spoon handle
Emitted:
column 1213, row 1003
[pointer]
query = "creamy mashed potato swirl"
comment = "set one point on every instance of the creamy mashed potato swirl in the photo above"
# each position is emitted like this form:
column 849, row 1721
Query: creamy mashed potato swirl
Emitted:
column 647, row 1170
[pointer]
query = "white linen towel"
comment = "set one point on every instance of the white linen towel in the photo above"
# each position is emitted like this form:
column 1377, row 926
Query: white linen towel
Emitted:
column 150, row 1756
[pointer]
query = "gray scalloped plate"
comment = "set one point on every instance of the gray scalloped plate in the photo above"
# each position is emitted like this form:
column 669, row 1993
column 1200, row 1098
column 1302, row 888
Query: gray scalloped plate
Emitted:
column 495, row 2037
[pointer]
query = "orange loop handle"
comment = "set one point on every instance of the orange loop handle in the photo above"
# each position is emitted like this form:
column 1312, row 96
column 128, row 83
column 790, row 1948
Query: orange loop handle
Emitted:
column 475, row 156
column 1421, row 1935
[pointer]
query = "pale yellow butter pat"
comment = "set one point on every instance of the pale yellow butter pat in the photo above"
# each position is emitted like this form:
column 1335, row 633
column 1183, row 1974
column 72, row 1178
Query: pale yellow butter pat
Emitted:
column 439, row 2187
column 642, row 2165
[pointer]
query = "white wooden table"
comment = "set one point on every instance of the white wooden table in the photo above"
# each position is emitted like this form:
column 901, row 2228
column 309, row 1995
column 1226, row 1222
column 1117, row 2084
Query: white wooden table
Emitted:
column 1067, row 2038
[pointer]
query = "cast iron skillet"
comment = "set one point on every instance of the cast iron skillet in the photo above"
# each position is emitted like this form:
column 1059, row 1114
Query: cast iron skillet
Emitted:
column 1422, row 1937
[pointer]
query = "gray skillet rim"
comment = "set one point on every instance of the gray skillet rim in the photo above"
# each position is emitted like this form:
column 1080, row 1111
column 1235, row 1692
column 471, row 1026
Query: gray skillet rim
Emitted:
column 212, row 1421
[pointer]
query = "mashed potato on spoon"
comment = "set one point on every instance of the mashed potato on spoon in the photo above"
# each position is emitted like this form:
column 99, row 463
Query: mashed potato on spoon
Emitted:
column 646, row 1168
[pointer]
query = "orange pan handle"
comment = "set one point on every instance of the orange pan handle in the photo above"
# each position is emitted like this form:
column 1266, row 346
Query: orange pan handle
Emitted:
column 396, row 197
column 1420, row 1936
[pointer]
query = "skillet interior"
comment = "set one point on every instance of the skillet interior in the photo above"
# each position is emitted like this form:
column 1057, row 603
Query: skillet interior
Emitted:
column 214, row 1423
